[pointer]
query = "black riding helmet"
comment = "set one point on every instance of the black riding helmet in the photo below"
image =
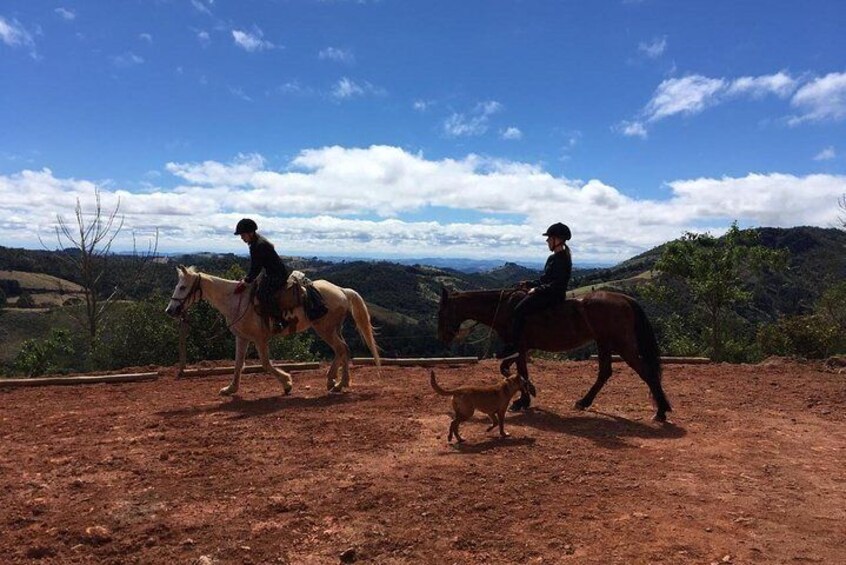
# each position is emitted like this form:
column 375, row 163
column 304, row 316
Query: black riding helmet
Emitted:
column 558, row 230
column 245, row 226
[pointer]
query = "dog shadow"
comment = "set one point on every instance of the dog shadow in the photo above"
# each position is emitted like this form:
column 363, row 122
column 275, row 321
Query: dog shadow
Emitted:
column 606, row 430
column 241, row 408
column 469, row 446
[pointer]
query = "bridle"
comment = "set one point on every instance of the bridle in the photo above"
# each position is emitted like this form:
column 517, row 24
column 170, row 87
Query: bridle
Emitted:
column 195, row 288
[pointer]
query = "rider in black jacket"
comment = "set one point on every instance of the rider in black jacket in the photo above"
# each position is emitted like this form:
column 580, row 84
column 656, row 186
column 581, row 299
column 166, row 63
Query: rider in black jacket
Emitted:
column 545, row 292
column 263, row 256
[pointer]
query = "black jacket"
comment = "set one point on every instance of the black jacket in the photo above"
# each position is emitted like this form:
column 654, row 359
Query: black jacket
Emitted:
column 556, row 274
column 264, row 256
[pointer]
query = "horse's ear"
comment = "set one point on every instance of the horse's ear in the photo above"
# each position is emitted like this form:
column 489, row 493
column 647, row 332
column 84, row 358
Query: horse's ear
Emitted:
column 182, row 269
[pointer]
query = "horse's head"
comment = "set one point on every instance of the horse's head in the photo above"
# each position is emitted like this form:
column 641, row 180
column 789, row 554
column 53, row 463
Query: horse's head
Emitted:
column 186, row 293
column 448, row 322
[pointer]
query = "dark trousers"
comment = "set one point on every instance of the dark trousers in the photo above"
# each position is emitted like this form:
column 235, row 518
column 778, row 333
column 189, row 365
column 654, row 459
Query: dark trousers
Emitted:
column 532, row 304
column 268, row 285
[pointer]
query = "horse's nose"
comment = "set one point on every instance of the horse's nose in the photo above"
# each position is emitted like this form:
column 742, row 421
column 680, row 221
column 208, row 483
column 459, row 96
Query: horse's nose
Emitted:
column 170, row 310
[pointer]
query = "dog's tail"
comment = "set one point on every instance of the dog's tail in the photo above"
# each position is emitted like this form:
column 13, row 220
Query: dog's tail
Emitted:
column 436, row 387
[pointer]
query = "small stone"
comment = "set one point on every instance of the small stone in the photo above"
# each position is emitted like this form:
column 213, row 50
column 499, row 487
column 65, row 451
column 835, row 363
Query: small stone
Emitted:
column 726, row 558
column 205, row 560
column 348, row 556
column 97, row 534
column 708, row 529
column 188, row 541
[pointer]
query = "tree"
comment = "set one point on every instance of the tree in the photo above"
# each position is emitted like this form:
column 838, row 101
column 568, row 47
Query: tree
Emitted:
column 85, row 245
column 2, row 298
column 712, row 272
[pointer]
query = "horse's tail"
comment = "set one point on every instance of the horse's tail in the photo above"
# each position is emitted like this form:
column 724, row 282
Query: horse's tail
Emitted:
column 647, row 347
column 436, row 387
column 362, row 323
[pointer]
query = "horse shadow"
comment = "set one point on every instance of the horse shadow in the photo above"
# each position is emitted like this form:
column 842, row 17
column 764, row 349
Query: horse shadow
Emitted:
column 241, row 408
column 606, row 430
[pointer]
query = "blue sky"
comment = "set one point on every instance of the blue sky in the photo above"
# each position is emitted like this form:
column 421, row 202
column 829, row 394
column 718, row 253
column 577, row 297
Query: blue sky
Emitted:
column 398, row 128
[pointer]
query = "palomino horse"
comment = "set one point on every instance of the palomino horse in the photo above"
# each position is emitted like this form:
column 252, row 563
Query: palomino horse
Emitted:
column 614, row 321
column 243, row 320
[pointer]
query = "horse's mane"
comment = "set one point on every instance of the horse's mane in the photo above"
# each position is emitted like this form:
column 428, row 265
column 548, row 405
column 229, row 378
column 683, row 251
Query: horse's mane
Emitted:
column 488, row 293
column 192, row 270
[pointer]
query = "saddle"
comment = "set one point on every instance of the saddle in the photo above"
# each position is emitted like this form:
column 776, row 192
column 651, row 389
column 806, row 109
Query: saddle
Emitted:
column 298, row 291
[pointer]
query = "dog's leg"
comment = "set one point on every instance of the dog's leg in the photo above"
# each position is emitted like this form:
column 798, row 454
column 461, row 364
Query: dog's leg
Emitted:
column 494, row 421
column 501, row 414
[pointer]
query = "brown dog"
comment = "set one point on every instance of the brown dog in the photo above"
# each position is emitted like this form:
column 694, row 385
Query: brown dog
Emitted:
column 492, row 400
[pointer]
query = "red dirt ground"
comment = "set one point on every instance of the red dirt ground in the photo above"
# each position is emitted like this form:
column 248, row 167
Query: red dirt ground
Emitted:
column 751, row 470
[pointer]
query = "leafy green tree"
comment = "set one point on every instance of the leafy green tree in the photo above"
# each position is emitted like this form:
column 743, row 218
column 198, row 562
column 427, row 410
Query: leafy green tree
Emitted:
column 713, row 273
column 2, row 298
column 138, row 333
column 51, row 354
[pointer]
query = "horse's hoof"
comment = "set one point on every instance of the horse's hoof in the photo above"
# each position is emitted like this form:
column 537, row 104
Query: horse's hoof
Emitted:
column 225, row 391
column 579, row 406
column 288, row 391
column 505, row 369
column 337, row 389
column 660, row 418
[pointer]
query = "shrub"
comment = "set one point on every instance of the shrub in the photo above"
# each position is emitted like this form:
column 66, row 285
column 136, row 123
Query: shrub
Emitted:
column 811, row 337
column 53, row 354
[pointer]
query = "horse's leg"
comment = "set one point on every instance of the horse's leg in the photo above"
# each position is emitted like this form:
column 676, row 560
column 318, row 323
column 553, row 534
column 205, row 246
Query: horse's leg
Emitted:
column 604, row 356
column 241, row 345
column 333, row 339
column 345, row 363
column 282, row 376
column 662, row 405
column 525, row 400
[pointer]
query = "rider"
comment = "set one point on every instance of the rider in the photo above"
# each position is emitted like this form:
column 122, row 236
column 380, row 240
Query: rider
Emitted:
column 263, row 256
column 545, row 292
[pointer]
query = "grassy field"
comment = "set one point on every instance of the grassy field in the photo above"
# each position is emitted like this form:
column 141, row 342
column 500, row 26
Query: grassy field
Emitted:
column 46, row 290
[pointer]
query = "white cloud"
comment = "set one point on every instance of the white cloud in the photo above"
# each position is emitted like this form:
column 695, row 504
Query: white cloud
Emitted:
column 421, row 105
column 823, row 99
column 145, row 37
column 65, row 13
column 826, row 154
column 201, row 7
column 474, row 123
column 693, row 94
column 687, row 95
column 319, row 201
column 512, row 133
column 336, row 54
column 347, row 88
column 204, row 38
column 14, row 34
column 251, row 42
column 654, row 48
column 633, row 129
column 127, row 60
column 781, row 84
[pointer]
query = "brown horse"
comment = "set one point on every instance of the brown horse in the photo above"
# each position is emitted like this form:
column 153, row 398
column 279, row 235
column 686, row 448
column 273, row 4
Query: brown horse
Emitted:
column 614, row 321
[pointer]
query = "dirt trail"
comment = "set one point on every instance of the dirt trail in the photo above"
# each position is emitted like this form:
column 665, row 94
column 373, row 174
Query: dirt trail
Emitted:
column 751, row 470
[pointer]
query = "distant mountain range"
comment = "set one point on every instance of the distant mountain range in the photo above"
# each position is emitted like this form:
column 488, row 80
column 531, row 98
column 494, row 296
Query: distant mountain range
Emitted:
column 404, row 294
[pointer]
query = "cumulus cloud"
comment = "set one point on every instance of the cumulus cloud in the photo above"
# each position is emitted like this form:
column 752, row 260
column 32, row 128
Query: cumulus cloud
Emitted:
column 822, row 99
column 145, row 37
column 336, row 54
column 473, row 123
column 251, row 42
column 203, row 37
column 512, row 133
column 654, row 48
column 358, row 199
